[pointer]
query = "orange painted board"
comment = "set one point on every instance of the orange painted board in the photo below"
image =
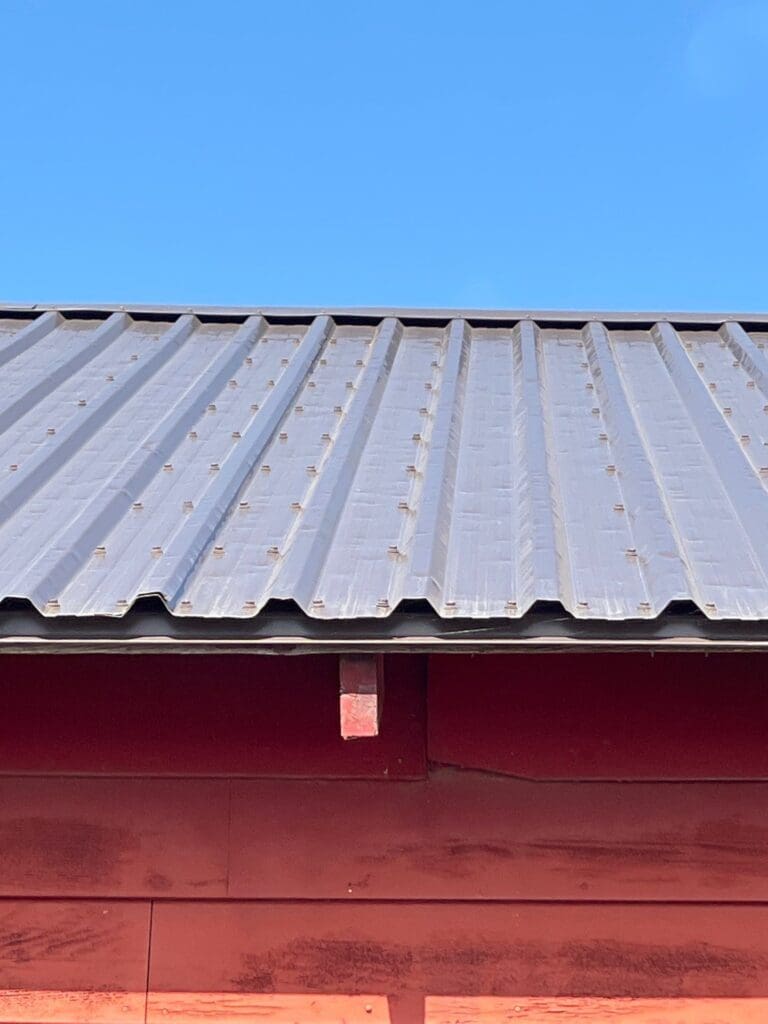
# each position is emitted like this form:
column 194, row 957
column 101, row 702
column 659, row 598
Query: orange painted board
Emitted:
column 601, row 716
column 208, row 715
column 73, row 962
column 471, row 835
column 596, row 1011
column 460, row 949
column 113, row 837
column 237, row 1008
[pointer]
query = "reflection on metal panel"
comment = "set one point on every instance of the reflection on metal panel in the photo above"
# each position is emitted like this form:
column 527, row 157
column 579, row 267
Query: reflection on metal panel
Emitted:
column 349, row 463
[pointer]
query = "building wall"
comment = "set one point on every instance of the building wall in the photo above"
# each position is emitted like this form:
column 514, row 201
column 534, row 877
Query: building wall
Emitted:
column 190, row 839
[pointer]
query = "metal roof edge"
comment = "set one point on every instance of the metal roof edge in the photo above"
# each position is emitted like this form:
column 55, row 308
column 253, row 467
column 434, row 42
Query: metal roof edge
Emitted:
column 408, row 313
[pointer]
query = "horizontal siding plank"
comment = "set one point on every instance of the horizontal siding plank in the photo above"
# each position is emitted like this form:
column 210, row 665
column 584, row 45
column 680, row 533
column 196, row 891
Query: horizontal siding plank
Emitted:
column 112, row 837
column 470, row 835
column 596, row 1011
column 73, row 962
column 237, row 1007
column 205, row 716
column 640, row 716
column 459, row 949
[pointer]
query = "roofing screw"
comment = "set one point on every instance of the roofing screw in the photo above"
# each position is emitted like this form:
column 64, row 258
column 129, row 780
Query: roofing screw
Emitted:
column 266, row 469
column 236, row 435
column 249, row 605
column 736, row 362
column 81, row 402
column 283, row 436
column 689, row 344
column 249, row 360
column 727, row 411
column 244, row 506
column 644, row 607
column 51, row 431
column 423, row 411
column 699, row 366
column 416, row 437
column 318, row 602
column 255, row 407
column 428, row 385
column 394, row 551
column 296, row 506
column 168, row 467
column 52, row 606
column 283, row 362
column 585, row 366
column 270, row 383
column 122, row 603
column 326, row 438
column 212, row 407
column 590, row 386
column 610, row 470
column 435, row 364
column 13, row 467
column 710, row 606
column 186, row 605
column 350, row 385
column 602, row 437
column 273, row 552
column 187, row 506
column 134, row 357
column 323, row 362
column 511, row 606
column 218, row 551
column 137, row 506
column 359, row 362
column 595, row 411
column 383, row 603
column 712, row 386
column 450, row 606
column 745, row 438
column 631, row 552
column 582, row 604
column 312, row 470
column 338, row 410
column 192, row 435
column 156, row 552
column 100, row 551
column 411, row 470
column 331, row 342
column 215, row 467
column 298, row 408
column 264, row 341
column 404, row 506
column 618, row 507
column 761, row 344
column 311, row 384
column 750, row 384
column 765, row 408
column 764, row 471
column 233, row 383
column 110, row 377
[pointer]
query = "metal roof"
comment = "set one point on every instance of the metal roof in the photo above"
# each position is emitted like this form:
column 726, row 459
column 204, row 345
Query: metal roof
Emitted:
column 352, row 460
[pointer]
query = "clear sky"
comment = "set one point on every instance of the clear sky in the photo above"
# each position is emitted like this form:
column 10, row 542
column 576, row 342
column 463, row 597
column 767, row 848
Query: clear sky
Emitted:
column 603, row 154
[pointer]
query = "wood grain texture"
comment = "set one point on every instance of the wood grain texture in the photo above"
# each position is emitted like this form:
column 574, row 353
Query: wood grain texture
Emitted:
column 601, row 716
column 113, row 837
column 238, row 1007
column 207, row 716
column 596, row 1011
column 470, row 835
column 450, row 949
column 72, row 962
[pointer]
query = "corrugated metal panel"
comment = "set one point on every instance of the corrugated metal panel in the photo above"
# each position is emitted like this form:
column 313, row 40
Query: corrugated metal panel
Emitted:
column 353, row 462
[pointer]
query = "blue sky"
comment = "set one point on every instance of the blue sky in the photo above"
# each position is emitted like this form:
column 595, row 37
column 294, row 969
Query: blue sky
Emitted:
column 604, row 155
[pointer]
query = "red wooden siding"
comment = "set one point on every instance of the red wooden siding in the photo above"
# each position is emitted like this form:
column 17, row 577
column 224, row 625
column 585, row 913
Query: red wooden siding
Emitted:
column 191, row 840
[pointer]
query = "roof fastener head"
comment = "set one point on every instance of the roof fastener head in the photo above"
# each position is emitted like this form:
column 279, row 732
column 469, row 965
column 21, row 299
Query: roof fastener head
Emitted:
column 382, row 603
column 618, row 507
column 100, row 551
column 283, row 362
column 273, row 551
column 214, row 467
column 244, row 506
column 168, row 467
column 712, row 386
column 134, row 357
column 110, row 377
column 233, row 383
column 602, row 437
column 318, row 602
column 266, row 469
column 249, row 606
column 590, row 386
column 51, row 431
column 81, row 402
column 699, row 365
column 270, row 383
column 52, row 606
column 296, row 506
column 312, row 470
column 248, row 360
column 359, row 362
column 727, row 411
column 255, row 407
column 595, row 411
column 121, row 603
column 644, row 607
column 326, row 438
column 338, row 410
column 511, row 606
column 185, row 605
column 745, row 439
column 236, row 435
column 610, row 469
column 157, row 551
column 283, row 435
column 13, row 467
column 298, row 408
column 631, row 552
column 218, row 551
column 416, row 437
column 187, row 506
column 736, row 363
column 137, row 506
column 750, row 384
column 582, row 605
column 212, row 407
column 311, row 383
column 192, row 435
column 323, row 362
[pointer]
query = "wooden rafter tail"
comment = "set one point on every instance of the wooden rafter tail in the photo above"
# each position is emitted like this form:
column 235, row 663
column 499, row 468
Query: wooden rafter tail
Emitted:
column 361, row 695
